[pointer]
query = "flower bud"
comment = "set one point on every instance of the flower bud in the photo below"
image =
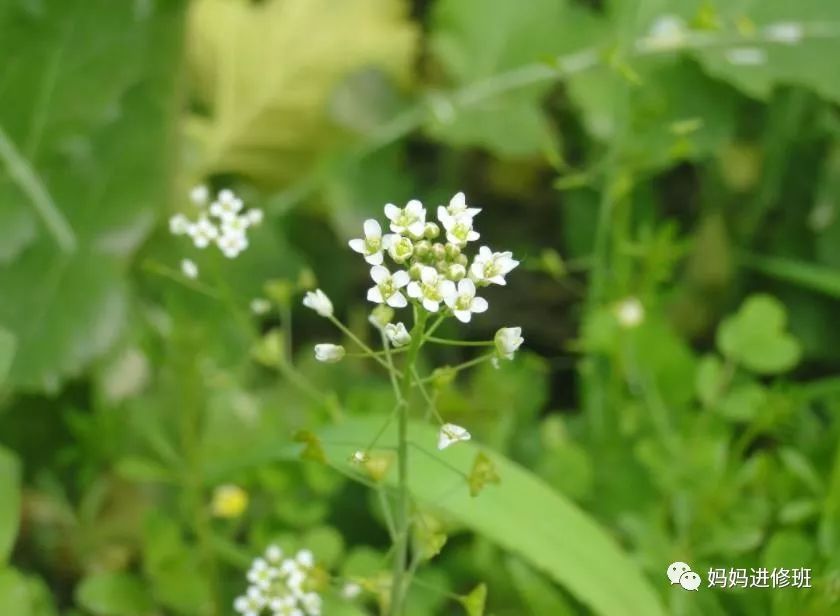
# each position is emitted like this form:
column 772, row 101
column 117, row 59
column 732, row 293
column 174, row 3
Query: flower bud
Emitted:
column 462, row 260
column 508, row 340
column 397, row 334
column 456, row 272
column 438, row 252
column 431, row 231
column 452, row 251
column 414, row 271
column 381, row 316
column 319, row 302
column 401, row 250
column 422, row 249
column 329, row 353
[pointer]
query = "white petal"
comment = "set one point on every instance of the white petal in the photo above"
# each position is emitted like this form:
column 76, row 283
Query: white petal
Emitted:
column 397, row 300
column 400, row 278
column 428, row 275
column 415, row 208
column 379, row 274
column 463, row 316
column 479, row 304
column 391, row 211
column 472, row 236
column 485, row 253
column 414, row 289
column 498, row 280
column 459, row 201
column 372, row 228
column 389, row 240
column 357, row 245
column 375, row 295
column 430, row 305
column 374, row 259
column 448, row 291
column 466, row 287
column 417, row 228
column 442, row 214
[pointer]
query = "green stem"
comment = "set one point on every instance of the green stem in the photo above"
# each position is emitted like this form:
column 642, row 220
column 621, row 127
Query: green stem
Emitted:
column 467, row 364
column 373, row 354
column 449, row 342
column 401, row 518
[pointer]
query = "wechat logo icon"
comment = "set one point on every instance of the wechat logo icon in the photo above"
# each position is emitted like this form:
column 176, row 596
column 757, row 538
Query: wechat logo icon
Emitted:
column 680, row 573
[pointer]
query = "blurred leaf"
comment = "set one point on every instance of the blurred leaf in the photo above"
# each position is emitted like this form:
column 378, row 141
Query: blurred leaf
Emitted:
column 24, row 596
column 9, row 502
column 755, row 337
column 538, row 594
column 710, row 380
column 69, row 110
column 474, row 601
column 818, row 278
column 270, row 126
column 743, row 402
column 8, row 344
column 114, row 594
column 477, row 45
column 521, row 514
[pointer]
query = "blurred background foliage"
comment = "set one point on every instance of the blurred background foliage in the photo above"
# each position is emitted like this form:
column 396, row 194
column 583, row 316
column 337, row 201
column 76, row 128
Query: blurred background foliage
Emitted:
column 702, row 185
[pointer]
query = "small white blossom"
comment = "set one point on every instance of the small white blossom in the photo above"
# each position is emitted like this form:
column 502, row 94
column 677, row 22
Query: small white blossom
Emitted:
column 329, row 353
column 410, row 219
column 249, row 605
column 508, row 340
column 189, row 269
column 387, row 288
column 351, row 590
column 431, row 288
column 630, row 313
column 203, row 232
column 397, row 334
column 319, row 302
column 226, row 205
column 232, row 244
column 784, row 32
column 399, row 248
column 463, row 301
column 179, row 225
column 492, row 267
column 260, row 306
column 371, row 244
column 457, row 207
column 311, row 603
column 305, row 557
column 235, row 225
column 254, row 216
column 359, row 457
column 199, row 195
column 746, row 56
column 459, row 229
column 280, row 585
column 667, row 32
column 450, row 434
column 274, row 554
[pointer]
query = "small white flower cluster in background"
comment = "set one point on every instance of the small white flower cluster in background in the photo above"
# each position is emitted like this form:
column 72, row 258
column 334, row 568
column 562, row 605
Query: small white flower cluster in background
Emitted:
column 432, row 272
column 222, row 222
column 280, row 586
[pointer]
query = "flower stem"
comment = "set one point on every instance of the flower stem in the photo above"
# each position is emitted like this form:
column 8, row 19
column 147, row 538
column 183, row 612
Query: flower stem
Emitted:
column 401, row 517
column 449, row 342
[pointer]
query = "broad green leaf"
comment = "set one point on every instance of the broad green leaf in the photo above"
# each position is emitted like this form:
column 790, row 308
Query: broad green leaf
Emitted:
column 537, row 593
column 521, row 514
column 8, row 344
column 71, row 123
column 710, row 380
column 9, row 502
column 476, row 45
column 21, row 595
column 743, row 402
column 755, row 337
column 265, row 77
column 114, row 594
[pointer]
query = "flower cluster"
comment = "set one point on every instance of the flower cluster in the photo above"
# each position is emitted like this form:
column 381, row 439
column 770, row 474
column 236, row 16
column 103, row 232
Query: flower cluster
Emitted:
column 430, row 266
column 280, row 586
column 222, row 222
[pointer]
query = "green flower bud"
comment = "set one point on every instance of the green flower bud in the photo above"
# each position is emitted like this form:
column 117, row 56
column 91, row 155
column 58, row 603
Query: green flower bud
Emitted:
column 439, row 252
column 431, row 231
column 422, row 249
column 456, row 272
column 452, row 251
column 381, row 316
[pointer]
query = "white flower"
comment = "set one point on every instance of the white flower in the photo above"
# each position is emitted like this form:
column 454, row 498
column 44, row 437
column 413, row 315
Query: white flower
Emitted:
column 630, row 313
column 189, row 269
column 305, row 558
column 459, row 229
column 359, row 457
column 450, row 434
column 199, row 195
column 457, row 207
column 262, row 574
column 226, row 205
column 746, row 56
column 371, row 244
column 508, row 340
column 319, row 302
column 235, row 225
column 254, row 216
column 329, row 353
column 431, row 288
column 203, row 232
column 311, row 603
column 492, row 267
column 231, row 244
column 260, row 305
column 399, row 248
column 274, row 554
column 410, row 219
column 397, row 334
column 667, row 32
column 387, row 289
column 463, row 302
column 350, row 590
column 179, row 225
column 249, row 605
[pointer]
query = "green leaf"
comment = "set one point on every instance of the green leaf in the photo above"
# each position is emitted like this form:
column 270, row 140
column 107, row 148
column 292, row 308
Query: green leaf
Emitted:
column 710, row 380
column 476, row 45
column 114, row 594
column 69, row 110
column 9, row 502
column 474, row 601
column 537, row 593
column 8, row 344
column 24, row 596
column 521, row 514
column 743, row 403
column 271, row 126
column 755, row 337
